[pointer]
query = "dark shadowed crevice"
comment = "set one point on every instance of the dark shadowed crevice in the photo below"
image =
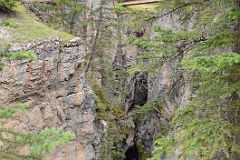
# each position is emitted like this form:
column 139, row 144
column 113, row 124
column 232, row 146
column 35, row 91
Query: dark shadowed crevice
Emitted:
column 138, row 91
column 132, row 153
column 141, row 89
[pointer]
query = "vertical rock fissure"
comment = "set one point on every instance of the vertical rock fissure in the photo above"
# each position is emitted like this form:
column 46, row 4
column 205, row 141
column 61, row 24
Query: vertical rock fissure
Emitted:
column 141, row 89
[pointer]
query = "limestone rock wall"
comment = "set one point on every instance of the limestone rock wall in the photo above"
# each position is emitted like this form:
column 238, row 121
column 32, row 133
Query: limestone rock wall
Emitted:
column 58, row 94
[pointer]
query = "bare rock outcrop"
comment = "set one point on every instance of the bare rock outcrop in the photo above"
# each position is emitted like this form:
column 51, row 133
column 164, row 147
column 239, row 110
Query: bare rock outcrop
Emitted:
column 57, row 92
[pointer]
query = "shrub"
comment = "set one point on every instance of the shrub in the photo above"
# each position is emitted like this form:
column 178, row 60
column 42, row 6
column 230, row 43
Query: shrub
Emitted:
column 7, row 4
column 20, row 55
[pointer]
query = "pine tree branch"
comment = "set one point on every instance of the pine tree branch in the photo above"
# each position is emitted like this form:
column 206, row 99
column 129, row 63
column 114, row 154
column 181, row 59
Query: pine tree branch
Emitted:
column 178, row 8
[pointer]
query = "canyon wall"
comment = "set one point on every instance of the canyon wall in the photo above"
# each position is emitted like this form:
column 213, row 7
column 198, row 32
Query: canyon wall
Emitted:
column 60, row 95
column 57, row 92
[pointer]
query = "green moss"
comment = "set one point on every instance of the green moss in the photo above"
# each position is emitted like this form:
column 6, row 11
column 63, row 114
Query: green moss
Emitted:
column 105, row 110
column 158, row 104
column 143, row 154
column 102, row 105
column 107, row 116
column 164, row 131
column 100, row 97
column 123, row 127
column 143, row 7
column 21, row 106
column 118, row 112
column 118, row 8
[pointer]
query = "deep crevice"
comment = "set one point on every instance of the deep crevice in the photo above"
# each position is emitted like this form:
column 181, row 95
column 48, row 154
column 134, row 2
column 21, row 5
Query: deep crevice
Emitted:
column 141, row 89
column 132, row 153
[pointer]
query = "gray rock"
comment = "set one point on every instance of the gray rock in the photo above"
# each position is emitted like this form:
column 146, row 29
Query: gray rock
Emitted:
column 58, row 95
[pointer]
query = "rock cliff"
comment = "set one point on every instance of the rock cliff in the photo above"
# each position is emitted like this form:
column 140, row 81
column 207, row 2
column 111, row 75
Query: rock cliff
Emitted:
column 58, row 94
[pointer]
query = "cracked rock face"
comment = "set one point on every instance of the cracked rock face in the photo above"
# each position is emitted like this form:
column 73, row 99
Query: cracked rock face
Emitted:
column 169, row 84
column 58, row 94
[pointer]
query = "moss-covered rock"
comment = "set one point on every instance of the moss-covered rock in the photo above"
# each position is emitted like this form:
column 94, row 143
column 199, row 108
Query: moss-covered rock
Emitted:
column 143, row 154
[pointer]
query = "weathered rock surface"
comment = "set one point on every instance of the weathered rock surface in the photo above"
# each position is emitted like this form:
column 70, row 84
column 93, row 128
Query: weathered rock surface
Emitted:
column 169, row 84
column 58, row 94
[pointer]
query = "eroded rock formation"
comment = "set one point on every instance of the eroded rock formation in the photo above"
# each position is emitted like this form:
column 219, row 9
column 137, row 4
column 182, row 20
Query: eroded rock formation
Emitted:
column 58, row 94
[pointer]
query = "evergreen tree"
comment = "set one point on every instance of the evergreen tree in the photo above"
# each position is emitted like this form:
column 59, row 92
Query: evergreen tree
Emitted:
column 208, row 126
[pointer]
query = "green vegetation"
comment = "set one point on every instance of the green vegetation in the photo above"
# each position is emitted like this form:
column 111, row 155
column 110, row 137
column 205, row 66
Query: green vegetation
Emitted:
column 206, row 127
column 63, row 14
column 105, row 110
column 143, row 154
column 142, row 112
column 2, row 65
column 28, row 28
column 20, row 55
column 111, row 146
column 38, row 144
column 116, row 130
column 7, row 4
column 118, row 8
column 24, row 27
column 198, row 137
column 21, row 26
column 150, row 7
column 102, row 104
column 8, row 111
column 74, row 8
column 44, row 141
column 44, row 6
column 7, row 23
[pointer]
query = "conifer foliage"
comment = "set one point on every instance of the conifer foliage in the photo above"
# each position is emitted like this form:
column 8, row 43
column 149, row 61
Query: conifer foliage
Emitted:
column 208, row 126
column 36, row 145
column 7, row 4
